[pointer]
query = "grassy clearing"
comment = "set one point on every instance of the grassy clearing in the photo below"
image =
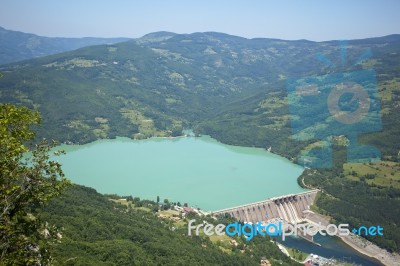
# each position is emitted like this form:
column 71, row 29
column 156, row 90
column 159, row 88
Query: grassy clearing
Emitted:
column 273, row 103
column 146, row 125
column 121, row 201
column 75, row 62
column 315, row 145
column 102, row 131
column 278, row 122
column 170, row 213
column 223, row 242
column 297, row 254
column 172, row 100
column 130, row 204
column 387, row 88
column 78, row 124
column 383, row 173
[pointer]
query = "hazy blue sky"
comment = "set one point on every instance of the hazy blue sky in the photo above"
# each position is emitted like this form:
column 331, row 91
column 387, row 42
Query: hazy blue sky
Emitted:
column 306, row 19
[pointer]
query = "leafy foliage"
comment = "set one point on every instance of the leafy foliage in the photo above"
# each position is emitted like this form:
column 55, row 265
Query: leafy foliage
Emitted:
column 26, row 182
column 97, row 231
column 371, row 205
column 158, row 84
column 228, row 87
column 357, row 202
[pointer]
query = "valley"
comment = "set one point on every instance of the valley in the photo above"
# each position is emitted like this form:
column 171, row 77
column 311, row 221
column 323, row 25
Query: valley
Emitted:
column 232, row 89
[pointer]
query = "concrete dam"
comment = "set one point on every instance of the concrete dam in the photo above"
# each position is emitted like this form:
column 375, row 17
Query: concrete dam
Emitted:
column 291, row 209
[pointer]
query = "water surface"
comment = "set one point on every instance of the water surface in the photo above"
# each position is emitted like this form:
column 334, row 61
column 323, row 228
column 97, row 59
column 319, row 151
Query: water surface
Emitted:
column 331, row 247
column 200, row 171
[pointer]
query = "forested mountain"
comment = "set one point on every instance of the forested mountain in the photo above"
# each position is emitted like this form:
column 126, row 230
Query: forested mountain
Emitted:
column 97, row 231
column 232, row 88
column 163, row 81
column 16, row 46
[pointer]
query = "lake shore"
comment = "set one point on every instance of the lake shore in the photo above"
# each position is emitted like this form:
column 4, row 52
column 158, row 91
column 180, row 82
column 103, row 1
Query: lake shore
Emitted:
column 360, row 244
column 181, row 163
column 369, row 249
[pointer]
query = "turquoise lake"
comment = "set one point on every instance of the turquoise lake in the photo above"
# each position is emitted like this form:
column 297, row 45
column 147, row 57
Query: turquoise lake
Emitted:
column 199, row 171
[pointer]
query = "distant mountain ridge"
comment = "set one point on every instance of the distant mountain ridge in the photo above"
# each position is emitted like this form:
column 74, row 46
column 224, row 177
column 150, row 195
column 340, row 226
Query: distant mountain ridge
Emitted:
column 16, row 46
column 228, row 87
column 157, row 84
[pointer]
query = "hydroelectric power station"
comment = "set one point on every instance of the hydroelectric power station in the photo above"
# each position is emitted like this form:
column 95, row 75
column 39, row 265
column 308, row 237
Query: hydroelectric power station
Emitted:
column 292, row 208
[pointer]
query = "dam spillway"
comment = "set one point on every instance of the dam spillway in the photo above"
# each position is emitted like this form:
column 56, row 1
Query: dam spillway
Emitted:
column 290, row 208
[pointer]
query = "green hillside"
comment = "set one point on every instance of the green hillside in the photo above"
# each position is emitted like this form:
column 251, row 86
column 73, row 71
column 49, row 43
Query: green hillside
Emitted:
column 162, row 82
column 231, row 88
column 17, row 46
column 97, row 231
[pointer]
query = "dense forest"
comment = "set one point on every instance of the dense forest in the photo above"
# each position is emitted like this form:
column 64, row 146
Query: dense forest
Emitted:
column 17, row 46
column 163, row 82
column 233, row 89
column 46, row 221
column 97, row 231
column 357, row 202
